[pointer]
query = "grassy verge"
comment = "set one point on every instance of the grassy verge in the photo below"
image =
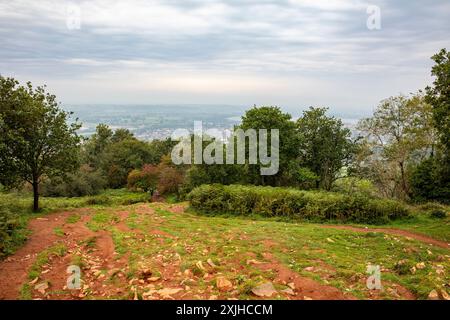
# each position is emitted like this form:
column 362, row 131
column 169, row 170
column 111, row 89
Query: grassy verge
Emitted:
column 19, row 205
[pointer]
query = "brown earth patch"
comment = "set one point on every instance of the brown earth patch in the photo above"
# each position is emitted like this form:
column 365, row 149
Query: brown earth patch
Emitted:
column 304, row 288
column 13, row 270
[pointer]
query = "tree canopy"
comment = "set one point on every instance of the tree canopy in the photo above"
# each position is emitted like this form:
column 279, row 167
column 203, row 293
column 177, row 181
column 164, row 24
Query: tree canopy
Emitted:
column 36, row 139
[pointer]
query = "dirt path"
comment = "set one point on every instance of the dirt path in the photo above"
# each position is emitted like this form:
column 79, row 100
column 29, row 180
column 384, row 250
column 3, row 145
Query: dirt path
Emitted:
column 395, row 232
column 105, row 271
column 14, row 269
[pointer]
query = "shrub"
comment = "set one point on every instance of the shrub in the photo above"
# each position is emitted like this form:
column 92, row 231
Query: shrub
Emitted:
column 99, row 200
column 170, row 180
column 352, row 185
column 429, row 181
column 311, row 205
column 12, row 232
column 145, row 179
column 85, row 182
column 306, row 178
column 438, row 214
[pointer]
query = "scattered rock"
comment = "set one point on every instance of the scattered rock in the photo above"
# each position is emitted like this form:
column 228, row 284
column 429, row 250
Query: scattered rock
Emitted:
column 440, row 269
column 223, row 284
column 264, row 290
column 393, row 292
column 41, row 287
column 199, row 265
column 420, row 265
column 433, row 295
column 188, row 273
column 168, row 292
column 288, row 291
column 253, row 261
column 211, row 263
column 153, row 279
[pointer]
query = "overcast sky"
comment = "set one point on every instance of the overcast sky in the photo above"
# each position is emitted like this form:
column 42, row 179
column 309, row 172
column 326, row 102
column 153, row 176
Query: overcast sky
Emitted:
column 292, row 53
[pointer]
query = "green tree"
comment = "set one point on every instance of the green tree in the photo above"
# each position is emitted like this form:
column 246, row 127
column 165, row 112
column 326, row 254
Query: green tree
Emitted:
column 398, row 135
column 94, row 148
column 325, row 145
column 121, row 157
column 439, row 97
column 426, row 182
column 35, row 137
column 272, row 118
column 430, row 180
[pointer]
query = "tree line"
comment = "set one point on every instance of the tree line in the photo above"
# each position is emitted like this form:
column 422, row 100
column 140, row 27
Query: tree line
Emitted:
column 402, row 151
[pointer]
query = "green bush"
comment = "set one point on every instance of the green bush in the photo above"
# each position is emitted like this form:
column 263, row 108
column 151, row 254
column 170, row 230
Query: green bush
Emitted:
column 286, row 202
column 438, row 214
column 99, row 200
column 351, row 185
column 85, row 182
column 12, row 232
column 429, row 181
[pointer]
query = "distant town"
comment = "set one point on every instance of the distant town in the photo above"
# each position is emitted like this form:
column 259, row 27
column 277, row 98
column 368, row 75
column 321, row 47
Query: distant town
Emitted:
column 157, row 122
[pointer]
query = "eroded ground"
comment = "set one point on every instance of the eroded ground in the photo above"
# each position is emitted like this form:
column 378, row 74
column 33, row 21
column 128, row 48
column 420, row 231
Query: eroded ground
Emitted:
column 159, row 251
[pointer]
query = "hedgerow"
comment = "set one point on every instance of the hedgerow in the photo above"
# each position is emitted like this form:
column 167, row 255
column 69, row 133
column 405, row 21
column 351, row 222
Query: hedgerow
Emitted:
column 288, row 202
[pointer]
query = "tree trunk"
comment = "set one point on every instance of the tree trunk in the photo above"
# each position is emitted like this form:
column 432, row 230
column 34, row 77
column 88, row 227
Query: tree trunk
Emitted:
column 404, row 185
column 35, row 196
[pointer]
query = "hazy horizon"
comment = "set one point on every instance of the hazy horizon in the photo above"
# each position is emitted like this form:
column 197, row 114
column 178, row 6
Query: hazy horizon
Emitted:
column 288, row 53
